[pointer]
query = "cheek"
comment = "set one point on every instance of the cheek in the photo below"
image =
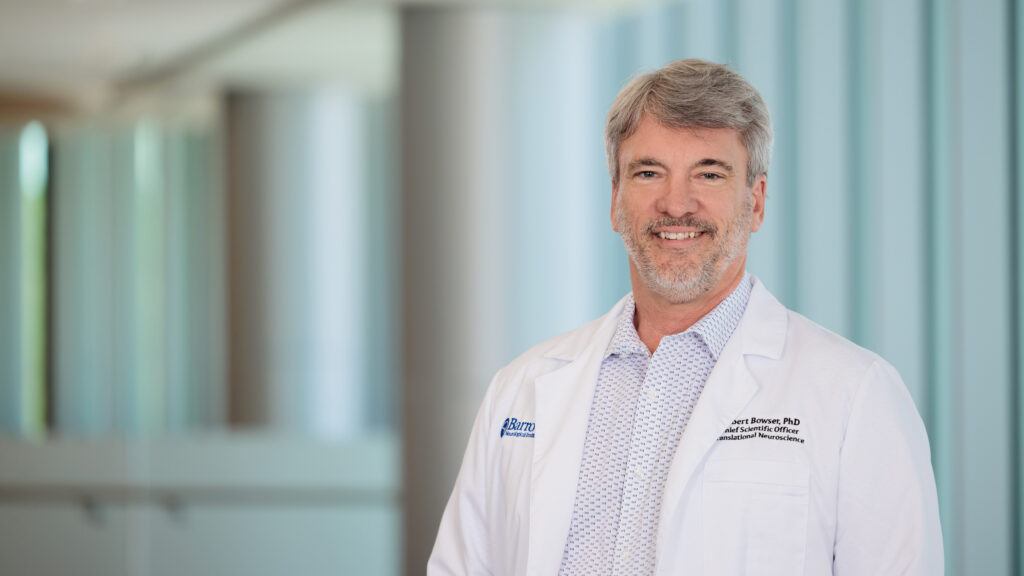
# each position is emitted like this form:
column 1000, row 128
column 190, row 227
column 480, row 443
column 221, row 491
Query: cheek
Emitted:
column 634, row 205
column 622, row 214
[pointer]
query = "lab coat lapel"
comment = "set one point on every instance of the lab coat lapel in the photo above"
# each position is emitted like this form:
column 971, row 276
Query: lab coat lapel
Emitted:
column 730, row 387
column 563, row 400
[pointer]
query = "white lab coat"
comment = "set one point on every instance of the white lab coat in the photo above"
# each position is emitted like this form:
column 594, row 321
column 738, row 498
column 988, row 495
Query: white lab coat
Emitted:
column 855, row 498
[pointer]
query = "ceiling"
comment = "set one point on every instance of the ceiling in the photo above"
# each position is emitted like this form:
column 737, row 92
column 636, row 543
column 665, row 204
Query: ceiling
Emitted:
column 100, row 54
column 88, row 52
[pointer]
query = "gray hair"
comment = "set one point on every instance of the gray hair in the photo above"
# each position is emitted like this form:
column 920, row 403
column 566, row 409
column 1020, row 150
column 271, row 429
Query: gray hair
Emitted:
column 692, row 94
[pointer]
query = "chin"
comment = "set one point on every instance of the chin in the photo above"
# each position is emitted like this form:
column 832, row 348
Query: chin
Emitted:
column 681, row 285
column 679, row 291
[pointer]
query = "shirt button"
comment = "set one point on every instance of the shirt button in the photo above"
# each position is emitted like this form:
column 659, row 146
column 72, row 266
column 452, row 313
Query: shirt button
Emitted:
column 639, row 474
column 651, row 394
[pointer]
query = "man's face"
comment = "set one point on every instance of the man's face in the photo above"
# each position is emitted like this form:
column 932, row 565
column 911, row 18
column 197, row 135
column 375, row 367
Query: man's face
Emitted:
column 683, row 208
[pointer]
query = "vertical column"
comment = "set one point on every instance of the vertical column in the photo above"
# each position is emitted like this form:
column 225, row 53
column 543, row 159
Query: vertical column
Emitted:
column 180, row 228
column 10, row 283
column 86, row 218
column 896, row 221
column 1016, row 39
column 453, row 248
column 982, row 234
column 296, row 298
column 823, row 275
column 760, row 31
column 195, row 273
column 787, row 162
column 123, row 298
column 34, row 174
column 943, row 263
column 859, row 205
column 147, row 384
column 383, row 267
column 23, row 180
column 614, row 61
column 556, row 213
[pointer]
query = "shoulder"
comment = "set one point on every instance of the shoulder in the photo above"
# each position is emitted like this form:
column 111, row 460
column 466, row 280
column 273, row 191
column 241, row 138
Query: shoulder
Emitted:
column 842, row 370
column 771, row 329
column 809, row 340
column 844, row 384
column 551, row 353
column 556, row 352
column 808, row 358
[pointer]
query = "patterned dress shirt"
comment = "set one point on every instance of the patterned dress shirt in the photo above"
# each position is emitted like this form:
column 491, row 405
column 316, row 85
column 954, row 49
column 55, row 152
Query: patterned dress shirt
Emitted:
column 640, row 408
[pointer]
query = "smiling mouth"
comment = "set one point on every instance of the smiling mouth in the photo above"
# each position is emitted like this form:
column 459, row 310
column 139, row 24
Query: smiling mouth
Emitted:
column 678, row 235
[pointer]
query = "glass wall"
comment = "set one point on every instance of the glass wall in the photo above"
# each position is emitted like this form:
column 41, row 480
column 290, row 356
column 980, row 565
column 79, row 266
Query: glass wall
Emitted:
column 133, row 250
column 894, row 201
column 198, row 308
column 24, row 179
column 204, row 316
column 138, row 279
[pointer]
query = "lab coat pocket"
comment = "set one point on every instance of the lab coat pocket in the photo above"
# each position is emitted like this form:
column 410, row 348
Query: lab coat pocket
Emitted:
column 755, row 517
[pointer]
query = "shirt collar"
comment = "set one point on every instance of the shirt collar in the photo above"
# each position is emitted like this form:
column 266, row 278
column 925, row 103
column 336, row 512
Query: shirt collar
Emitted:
column 626, row 341
column 717, row 326
column 714, row 329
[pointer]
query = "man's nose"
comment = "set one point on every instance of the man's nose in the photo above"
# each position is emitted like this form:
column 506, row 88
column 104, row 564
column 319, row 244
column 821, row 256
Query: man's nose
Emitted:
column 678, row 199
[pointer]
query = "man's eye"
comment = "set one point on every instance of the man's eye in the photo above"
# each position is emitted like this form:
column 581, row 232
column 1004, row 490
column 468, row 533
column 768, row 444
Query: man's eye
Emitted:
column 646, row 174
column 711, row 176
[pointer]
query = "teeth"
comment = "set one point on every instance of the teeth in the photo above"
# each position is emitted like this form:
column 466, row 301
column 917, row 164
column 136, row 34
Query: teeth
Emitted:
column 677, row 235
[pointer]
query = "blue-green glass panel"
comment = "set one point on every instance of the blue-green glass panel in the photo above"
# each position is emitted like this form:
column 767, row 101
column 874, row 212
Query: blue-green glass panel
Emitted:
column 10, row 283
column 982, row 234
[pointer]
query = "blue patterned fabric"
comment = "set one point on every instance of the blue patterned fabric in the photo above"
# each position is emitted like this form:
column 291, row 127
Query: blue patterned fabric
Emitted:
column 641, row 406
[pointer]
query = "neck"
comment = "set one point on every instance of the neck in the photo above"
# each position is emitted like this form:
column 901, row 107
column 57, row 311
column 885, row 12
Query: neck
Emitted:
column 656, row 317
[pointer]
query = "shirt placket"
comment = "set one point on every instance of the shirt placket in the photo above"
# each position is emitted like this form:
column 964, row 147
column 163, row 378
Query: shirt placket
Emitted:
column 659, row 412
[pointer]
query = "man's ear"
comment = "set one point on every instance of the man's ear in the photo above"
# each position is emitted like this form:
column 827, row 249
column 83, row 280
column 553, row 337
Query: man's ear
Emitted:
column 760, row 192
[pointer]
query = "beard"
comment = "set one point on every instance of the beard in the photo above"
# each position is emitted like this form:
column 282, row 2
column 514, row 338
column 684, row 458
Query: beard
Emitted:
column 691, row 273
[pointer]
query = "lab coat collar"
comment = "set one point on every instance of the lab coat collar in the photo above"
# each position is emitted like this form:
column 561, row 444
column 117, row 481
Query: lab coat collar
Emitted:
column 763, row 328
column 575, row 343
column 563, row 399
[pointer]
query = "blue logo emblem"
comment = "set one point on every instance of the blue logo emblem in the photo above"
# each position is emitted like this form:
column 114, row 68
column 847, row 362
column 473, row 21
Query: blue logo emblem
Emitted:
column 516, row 428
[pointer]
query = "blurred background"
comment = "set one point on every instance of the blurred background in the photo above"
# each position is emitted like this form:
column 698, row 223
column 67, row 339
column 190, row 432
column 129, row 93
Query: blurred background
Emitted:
column 260, row 258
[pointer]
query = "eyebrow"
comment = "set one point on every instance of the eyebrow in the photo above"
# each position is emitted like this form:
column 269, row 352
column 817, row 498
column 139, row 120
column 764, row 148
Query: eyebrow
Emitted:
column 714, row 162
column 648, row 161
column 645, row 161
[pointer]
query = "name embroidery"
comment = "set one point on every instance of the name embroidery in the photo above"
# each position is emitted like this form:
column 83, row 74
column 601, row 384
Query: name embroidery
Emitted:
column 785, row 429
column 517, row 428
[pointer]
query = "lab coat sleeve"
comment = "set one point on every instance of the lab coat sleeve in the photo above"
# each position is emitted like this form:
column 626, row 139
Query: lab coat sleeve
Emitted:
column 462, row 548
column 887, row 510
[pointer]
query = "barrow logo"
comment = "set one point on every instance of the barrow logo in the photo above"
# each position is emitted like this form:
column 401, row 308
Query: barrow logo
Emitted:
column 518, row 428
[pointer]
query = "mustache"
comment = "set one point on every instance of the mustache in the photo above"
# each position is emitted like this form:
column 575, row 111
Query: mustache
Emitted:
column 686, row 221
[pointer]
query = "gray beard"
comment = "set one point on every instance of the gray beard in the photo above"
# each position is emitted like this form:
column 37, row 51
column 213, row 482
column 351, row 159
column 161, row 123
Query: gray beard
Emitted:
column 687, row 285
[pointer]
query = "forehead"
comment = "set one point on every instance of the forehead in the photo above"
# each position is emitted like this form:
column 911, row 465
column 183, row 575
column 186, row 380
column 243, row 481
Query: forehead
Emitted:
column 665, row 143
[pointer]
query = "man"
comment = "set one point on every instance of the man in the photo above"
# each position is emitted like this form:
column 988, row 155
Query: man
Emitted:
column 699, row 427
